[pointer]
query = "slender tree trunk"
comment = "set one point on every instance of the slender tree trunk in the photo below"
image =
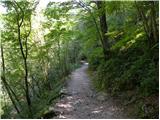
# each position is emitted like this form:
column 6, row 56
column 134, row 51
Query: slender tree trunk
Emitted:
column 9, row 87
column 145, row 22
column 5, row 82
column 101, row 33
column 104, row 29
column 154, row 22
column 14, row 94
column 150, row 24
column 25, row 68
column 20, row 21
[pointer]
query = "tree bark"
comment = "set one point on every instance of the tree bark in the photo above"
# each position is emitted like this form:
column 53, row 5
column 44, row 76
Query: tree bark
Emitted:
column 5, row 82
column 25, row 67
column 24, row 56
column 154, row 22
column 145, row 22
column 150, row 24
column 104, row 29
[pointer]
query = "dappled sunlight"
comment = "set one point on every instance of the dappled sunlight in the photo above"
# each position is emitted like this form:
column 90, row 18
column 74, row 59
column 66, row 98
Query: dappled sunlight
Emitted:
column 97, row 110
column 68, row 104
column 86, row 63
column 69, row 97
column 79, row 59
column 64, row 105
column 78, row 101
column 139, row 35
column 114, row 108
column 62, row 116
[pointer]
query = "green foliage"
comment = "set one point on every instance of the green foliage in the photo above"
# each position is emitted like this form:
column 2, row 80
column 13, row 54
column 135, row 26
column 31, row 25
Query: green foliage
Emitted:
column 129, row 69
column 132, row 65
column 69, row 34
column 51, row 57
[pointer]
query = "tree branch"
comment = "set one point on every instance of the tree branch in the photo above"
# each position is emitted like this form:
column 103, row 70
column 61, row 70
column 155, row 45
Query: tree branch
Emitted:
column 82, row 4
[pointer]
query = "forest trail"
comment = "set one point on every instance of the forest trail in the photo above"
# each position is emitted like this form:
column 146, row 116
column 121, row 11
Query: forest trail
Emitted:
column 82, row 102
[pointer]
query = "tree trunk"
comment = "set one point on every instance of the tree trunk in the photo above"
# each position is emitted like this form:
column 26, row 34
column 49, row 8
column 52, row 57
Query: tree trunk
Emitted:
column 103, row 25
column 25, row 68
column 154, row 22
column 104, row 29
column 145, row 22
column 5, row 82
column 24, row 56
column 150, row 24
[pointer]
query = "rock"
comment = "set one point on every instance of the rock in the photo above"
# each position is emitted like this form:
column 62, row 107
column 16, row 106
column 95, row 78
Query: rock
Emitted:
column 63, row 91
column 50, row 114
column 102, row 96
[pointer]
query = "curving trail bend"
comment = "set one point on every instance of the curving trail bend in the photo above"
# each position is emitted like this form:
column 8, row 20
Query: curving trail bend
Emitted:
column 81, row 103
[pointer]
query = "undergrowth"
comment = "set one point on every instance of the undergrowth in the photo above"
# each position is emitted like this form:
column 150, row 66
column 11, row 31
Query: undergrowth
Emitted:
column 132, row 67
column 43, row 100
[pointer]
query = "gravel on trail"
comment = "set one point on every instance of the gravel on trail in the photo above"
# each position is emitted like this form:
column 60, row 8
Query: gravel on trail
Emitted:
column 83, row 103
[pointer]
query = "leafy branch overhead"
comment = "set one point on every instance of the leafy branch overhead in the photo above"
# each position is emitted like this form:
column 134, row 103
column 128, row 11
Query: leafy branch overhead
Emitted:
column 42, row 42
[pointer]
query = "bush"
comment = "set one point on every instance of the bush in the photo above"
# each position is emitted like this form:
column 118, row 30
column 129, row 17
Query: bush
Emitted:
column 130, row 69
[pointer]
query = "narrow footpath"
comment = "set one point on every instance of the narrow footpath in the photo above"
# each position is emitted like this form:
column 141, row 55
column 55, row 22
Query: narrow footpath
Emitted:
column 82, row 102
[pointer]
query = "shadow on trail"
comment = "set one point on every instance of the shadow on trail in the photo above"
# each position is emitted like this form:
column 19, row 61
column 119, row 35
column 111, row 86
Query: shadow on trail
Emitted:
column 81, row 102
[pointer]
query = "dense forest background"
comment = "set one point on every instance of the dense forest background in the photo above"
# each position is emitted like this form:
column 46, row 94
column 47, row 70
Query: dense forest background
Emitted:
column 119, row 39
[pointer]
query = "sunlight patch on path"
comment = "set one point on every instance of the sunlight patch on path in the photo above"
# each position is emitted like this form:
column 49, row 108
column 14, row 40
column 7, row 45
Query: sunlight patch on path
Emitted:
column 80, row 104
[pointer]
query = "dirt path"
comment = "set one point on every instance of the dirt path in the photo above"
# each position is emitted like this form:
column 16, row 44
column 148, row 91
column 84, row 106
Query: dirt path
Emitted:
column 82, row 103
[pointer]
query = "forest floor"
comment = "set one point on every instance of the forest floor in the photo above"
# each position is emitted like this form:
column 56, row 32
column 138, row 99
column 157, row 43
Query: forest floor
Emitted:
column 83, row 102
